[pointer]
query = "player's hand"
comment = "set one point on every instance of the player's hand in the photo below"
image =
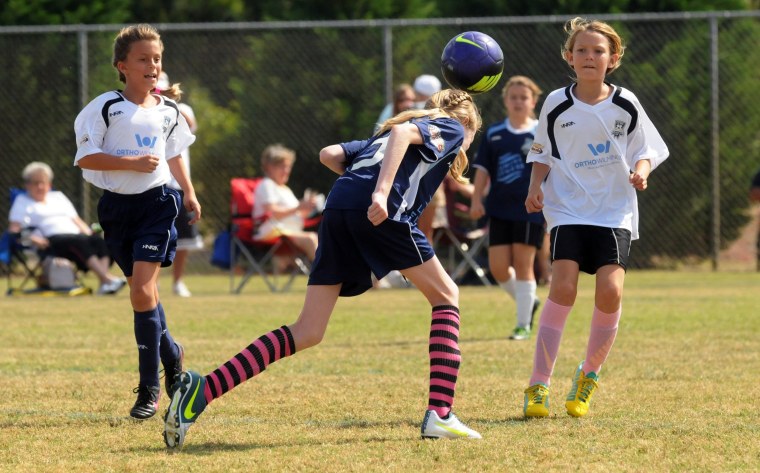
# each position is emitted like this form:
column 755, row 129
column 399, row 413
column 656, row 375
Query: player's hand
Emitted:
column 638, row 181
column 535, row 201
column 476, row 209
column 194, row 207
column 146, row 164
column 378, row 211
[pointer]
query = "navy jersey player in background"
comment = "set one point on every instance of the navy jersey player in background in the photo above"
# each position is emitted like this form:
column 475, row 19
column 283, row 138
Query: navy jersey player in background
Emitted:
column 514, row 235
column 594, row 148
column 129, row 143
column 369, row 226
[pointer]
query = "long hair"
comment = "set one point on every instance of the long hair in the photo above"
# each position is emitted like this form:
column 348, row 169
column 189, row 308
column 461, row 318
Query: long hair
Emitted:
column 448, row 103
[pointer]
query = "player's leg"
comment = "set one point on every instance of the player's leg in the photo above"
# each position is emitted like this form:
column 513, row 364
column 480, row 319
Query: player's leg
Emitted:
column 147, row 328
column 443, row 295
column 171, row 353
column 194, row 391
column 523, row 256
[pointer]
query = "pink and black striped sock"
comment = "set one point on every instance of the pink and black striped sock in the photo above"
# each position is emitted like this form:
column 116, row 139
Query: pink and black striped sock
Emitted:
column 444, row 358
column 254, row 359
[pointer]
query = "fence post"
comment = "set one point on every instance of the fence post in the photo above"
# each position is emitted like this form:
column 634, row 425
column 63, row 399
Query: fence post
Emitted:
column 388, row 58
column 715, row 139
column 84, row 76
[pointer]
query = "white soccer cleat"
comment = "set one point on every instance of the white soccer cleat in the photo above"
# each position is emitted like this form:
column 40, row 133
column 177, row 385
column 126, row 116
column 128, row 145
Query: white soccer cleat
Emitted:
column 433, row 427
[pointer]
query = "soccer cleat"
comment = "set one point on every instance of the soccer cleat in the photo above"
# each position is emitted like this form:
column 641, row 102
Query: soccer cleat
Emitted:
column 188, row 402
column 181, row 290
column 536, row 402
column 520, row 333
column 583, row 388
column 536, row 305
column 173, row 370
column 433, row 427
column 147, row 401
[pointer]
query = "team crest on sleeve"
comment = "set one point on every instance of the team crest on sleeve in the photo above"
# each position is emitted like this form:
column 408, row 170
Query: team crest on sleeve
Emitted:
column 537, row 148
column 167, row 122
column 84, row 140
column 435, row 137
column 619, row 127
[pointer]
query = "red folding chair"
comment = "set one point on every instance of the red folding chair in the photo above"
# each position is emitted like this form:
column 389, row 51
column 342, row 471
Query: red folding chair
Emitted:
column 258, row 255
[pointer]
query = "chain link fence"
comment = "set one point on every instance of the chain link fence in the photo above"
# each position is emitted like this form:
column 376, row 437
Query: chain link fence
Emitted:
column 310, row 84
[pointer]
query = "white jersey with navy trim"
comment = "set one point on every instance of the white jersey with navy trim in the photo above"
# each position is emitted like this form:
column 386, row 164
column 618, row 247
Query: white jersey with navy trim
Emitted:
column 419, row 175
column 591, row 150
column 113, row 125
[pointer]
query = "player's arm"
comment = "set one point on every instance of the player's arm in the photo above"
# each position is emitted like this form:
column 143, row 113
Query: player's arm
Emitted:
column 476, row 202
column 333, row 158
column 107, row 162
column 535, row 200
column 179, row 171
column 401, row 136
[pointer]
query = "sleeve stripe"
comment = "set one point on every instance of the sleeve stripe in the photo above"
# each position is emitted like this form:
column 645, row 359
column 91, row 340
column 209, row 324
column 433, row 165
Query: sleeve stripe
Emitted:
column 628, row 106
column 107, row 106
column 552, row 117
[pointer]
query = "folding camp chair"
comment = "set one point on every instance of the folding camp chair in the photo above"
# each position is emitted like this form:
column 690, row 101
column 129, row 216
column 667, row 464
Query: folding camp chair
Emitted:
column 258, row 256
column 463, row 238
column 18, row 255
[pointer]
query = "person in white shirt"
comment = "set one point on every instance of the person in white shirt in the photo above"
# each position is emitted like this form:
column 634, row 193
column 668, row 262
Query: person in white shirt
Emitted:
column 275, row 206
column 57, row 228
column 130, row 143
column 594, row 148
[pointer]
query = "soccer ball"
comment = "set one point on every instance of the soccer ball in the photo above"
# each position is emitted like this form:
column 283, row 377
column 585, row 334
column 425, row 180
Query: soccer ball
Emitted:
column 472, row 61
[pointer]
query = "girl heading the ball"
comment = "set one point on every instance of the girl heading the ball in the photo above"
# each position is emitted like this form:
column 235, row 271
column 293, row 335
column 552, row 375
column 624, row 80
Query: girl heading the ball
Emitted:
column 594, row 148
column 369, row 226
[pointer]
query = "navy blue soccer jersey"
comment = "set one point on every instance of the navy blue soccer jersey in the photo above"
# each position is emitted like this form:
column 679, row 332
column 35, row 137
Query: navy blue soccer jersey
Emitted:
column 502, row 154
column 420, row 174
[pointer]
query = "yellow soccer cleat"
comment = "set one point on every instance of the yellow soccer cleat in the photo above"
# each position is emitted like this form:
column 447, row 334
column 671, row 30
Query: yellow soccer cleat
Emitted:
column 583, row 388
column 536, row 401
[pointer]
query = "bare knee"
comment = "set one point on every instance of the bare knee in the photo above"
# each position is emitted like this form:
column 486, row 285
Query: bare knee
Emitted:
column 305, row 336
column 608, row 297
column 142, row 297
column 563, row 292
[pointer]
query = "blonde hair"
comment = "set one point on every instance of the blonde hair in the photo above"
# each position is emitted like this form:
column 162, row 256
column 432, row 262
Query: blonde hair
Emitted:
column 35, row 167
column 448, row 103
column 276, row 154
column 525, row 82
column 578, row 24
column 123, row 43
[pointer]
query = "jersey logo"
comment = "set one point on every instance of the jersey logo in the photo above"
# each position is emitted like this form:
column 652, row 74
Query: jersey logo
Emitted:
column 148, row 141
column 116, row 113
column 597, row 149
column 567, row 124
column 619, row 126
column 537, row 148
column 84, row 140
column 435, row 137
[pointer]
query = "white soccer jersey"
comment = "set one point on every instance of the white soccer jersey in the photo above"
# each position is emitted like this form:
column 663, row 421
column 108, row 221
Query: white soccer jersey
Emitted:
column 113, row 125
column 591, row 150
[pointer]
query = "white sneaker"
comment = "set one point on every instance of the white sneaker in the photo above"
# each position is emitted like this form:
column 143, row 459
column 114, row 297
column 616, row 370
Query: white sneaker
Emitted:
column 181, row 290
column 433, row 427
column 112, row 287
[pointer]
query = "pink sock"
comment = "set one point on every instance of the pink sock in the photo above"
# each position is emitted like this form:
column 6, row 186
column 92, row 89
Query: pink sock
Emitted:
column 444, row 358
column 550, row 328
column 604, row 328
column 254, row 359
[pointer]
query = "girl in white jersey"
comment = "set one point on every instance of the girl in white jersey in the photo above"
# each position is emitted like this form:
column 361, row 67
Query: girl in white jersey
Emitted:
column 369, row 226
column 129, row 143
column 594, row 147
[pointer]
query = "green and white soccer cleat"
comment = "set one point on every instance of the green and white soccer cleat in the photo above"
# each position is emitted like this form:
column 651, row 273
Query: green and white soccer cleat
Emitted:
column 188, row 402
column 433, row 427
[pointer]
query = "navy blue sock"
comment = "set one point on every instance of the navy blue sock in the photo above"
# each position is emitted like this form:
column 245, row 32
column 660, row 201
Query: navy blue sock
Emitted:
column 169, row 349
column 147, row 336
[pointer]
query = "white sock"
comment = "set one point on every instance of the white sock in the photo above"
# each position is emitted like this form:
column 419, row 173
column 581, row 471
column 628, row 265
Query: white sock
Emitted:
column 509, row 284
column 525, row 296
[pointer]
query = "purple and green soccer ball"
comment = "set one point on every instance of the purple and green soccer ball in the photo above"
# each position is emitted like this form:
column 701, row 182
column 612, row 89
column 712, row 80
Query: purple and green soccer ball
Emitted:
column 472, row 61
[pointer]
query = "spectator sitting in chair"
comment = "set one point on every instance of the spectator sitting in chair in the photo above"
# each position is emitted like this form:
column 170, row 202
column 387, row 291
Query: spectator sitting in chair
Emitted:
column 58, row 229
column 275, row 202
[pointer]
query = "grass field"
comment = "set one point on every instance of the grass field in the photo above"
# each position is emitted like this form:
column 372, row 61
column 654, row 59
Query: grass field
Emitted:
column 678, row 393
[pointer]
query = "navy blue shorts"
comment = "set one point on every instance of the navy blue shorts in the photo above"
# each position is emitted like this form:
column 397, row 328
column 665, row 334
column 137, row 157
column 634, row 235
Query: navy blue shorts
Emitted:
column 140, row 227
column 590, row 246
column 351, row 249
